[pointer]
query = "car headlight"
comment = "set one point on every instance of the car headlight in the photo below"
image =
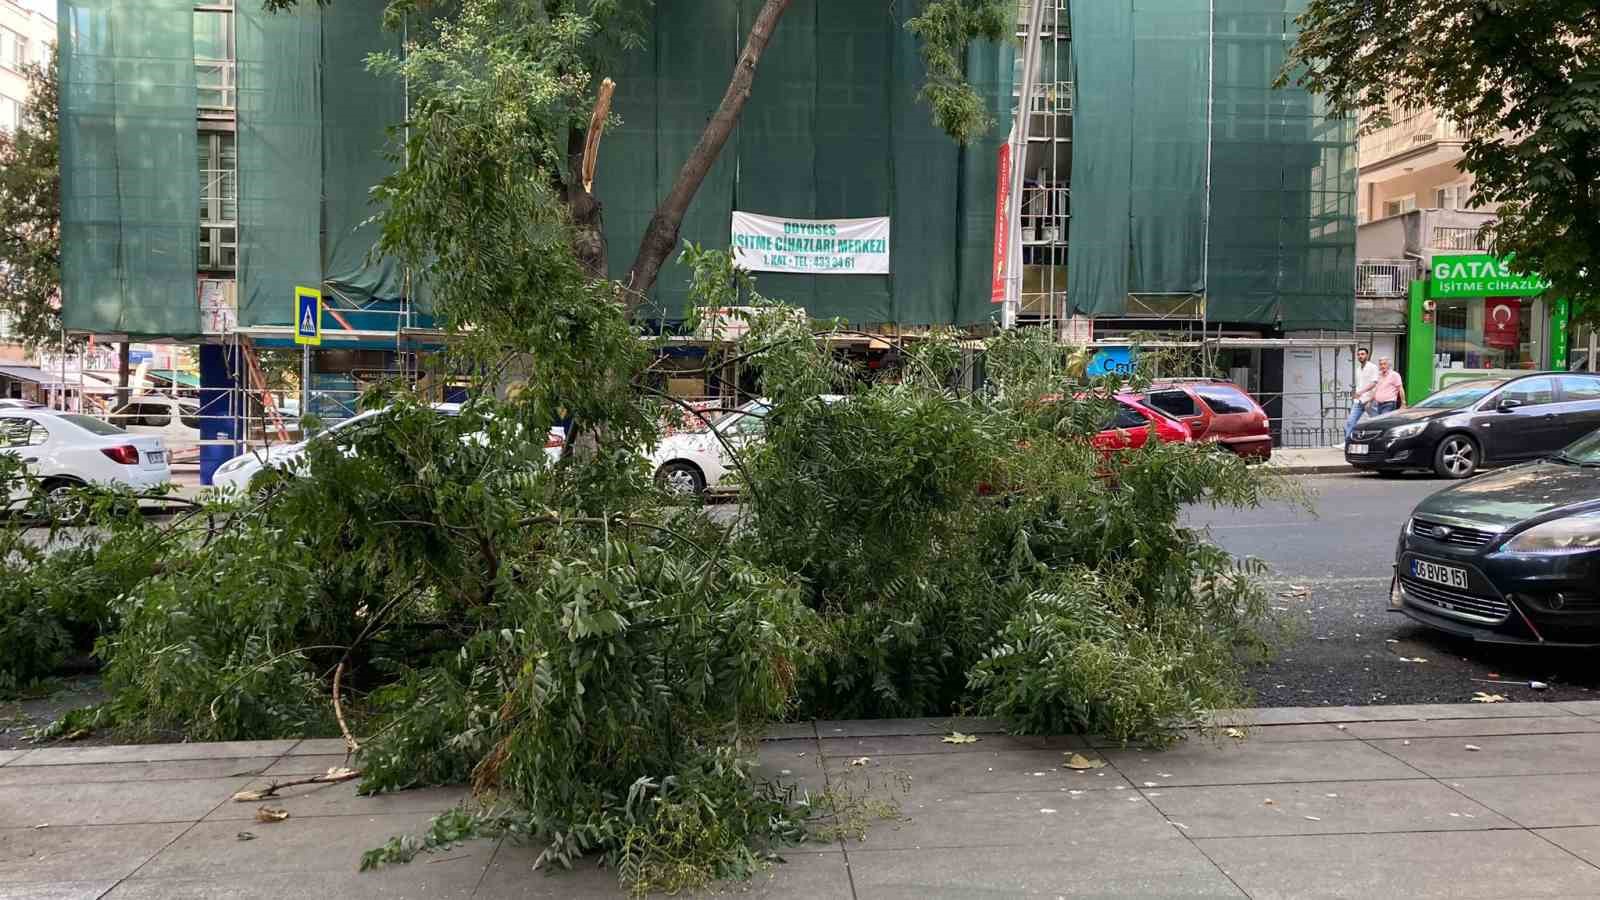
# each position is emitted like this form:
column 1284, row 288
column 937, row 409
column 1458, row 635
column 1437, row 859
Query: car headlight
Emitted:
column 1572, row 534
column 1406, row 431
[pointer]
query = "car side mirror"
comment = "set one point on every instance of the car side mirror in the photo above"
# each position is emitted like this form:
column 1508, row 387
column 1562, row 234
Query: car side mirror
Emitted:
column 1507, row 405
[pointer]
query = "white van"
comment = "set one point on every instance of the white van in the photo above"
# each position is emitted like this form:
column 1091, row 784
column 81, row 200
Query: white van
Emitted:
column 176, row 420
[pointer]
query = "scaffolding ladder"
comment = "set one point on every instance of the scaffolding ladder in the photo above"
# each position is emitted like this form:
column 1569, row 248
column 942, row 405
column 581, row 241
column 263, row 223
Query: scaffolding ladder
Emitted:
column 258, row 383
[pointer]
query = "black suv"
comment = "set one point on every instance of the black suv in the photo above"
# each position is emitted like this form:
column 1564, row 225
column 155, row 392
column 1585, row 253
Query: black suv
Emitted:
column 1473, row 423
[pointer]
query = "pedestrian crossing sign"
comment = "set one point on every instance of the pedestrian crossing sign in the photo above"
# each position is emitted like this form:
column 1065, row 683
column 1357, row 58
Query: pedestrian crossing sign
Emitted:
column 307, row 316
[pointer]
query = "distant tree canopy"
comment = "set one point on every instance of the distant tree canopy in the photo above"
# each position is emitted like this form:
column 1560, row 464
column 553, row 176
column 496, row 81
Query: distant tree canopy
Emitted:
column 30, row 215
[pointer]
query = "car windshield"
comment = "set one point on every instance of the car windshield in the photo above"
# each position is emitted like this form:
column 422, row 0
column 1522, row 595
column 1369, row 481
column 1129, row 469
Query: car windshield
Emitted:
column 1458, row 397
column 1585, row 451
column 91, row 424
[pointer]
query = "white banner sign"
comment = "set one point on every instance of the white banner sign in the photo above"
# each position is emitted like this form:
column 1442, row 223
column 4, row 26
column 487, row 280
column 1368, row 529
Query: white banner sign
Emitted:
column 811, row 246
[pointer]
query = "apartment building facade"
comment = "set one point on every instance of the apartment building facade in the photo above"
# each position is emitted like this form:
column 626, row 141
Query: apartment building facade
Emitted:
column 1426, row 272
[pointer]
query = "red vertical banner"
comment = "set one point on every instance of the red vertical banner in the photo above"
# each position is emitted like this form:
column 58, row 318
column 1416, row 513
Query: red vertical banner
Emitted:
column 1002, row 226
column 1502, row 322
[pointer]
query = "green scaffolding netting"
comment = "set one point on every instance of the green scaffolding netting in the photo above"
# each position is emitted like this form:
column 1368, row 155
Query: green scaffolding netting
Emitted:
column 358, row 108
column 280, row 156
column 1176, row 121
column 832, row 130
column 130, row 201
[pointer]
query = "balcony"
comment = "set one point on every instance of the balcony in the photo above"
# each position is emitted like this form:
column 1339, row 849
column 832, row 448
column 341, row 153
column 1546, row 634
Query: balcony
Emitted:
column 1455, row 237
column 1386, row 277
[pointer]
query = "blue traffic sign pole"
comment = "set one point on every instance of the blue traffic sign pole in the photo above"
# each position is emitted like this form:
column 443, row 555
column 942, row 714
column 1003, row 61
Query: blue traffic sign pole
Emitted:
column 307, row 333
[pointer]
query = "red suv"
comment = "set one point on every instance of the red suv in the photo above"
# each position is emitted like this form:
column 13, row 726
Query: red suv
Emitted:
column 1217, row 411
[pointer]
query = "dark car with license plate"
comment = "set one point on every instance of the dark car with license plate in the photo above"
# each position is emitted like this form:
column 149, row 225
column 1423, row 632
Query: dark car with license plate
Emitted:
column 1467, row 425
column 1511, row 556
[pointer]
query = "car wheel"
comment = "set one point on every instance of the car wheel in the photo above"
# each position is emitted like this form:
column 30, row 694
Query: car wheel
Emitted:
column 1457, row 456
column 63, row 504
column 680, row 478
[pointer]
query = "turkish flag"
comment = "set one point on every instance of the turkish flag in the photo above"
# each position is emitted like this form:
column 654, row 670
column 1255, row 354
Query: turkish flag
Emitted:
column 1502, row 318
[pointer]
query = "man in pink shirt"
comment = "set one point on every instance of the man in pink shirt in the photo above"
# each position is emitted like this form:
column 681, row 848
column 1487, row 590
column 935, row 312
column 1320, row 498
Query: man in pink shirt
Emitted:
column 1385, row 395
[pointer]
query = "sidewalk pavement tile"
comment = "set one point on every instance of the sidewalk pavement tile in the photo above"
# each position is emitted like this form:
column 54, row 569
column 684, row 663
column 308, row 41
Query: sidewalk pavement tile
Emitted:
column 811, row 875
column 1581, row 707
column 1584, row 842
column 1102, row 821
column 1426, row 728
column 10, row 756
column 61, row 854
column 55, row 890
column 213, row 850
column 125, row 803
column 847, row 728
column 791, row 763
column 1511, row 754
column 339, row 800
column 185, row 770
column 899, row 745
column 411, row 882
column 1538, row 801
column 64, row 756
column 319, row 747
column 1332, row 807
column 1231, row 762
column 1052, row 871
column 1456, row 864
column 789, row 731
column 994, row 771
column 1276, row 734
column 290, row 767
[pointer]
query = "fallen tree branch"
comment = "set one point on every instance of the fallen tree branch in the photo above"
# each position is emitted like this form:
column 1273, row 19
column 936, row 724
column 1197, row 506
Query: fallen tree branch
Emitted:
column 351, row 745
column 332, row 776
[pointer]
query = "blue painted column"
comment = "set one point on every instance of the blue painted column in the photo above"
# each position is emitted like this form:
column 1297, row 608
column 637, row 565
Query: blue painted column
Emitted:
column 220, row 368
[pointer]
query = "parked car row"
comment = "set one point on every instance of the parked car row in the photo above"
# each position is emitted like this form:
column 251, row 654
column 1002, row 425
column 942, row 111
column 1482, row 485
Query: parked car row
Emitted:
column 67, row 450
column 698, row 460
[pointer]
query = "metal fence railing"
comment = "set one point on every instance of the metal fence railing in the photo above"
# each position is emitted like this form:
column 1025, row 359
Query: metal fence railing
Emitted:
column 1456, row 237
column 1385, row 277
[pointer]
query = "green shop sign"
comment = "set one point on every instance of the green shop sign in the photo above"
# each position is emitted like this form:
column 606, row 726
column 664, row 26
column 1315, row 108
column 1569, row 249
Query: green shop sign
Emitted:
column 1480, row 275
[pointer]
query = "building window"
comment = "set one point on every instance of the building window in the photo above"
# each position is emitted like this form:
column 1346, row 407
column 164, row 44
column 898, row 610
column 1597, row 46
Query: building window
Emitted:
column 13, row 49
column 1456, row 196
column 219, row 201
column 1399, row 206
column 214, row 61
column 10, row 114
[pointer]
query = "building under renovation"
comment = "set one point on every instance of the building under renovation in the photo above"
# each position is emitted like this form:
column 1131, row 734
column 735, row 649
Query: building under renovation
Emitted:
column 215, row 156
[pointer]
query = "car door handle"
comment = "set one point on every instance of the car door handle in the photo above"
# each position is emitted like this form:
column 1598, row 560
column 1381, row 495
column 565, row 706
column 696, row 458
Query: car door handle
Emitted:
column 28, row 459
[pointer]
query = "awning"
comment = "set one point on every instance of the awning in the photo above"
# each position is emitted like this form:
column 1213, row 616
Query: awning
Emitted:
column 175, row 377
column 28, row 373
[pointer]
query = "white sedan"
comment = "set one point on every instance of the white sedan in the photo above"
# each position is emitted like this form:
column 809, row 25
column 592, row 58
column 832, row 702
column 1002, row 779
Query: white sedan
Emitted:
column 236, row 474
column 696, row 459
column 65, row 450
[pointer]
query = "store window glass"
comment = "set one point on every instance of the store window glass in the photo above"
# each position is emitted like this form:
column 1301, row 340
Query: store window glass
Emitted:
column 1489, row 333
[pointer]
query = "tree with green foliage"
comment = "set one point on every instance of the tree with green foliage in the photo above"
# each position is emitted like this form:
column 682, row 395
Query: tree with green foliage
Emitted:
column 1522, row 80
column 30, row 215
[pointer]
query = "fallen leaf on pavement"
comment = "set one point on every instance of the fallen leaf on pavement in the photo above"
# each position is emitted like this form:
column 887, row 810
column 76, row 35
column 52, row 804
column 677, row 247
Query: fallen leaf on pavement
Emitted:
column 1234, row 732
column 245, row 836
column 1047, row 811
column 1268, row 802
column 1314, row 818
column 1474, row 747
column 956, row 737
column 1080, row 762
column 77, row 735
column 249, row 796
column 1413, row 659
column 268, row 814
column 860, row 760
column 1481, row 697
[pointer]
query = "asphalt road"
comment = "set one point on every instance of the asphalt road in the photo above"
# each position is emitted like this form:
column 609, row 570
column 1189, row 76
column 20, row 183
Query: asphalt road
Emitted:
column 1330, row 582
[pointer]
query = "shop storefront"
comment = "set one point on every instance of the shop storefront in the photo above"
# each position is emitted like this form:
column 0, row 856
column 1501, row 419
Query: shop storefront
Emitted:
column 1473, row 317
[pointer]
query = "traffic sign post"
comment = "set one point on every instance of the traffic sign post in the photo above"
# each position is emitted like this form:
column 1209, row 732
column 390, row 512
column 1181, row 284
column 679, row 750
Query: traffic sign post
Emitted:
column 308, row 334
